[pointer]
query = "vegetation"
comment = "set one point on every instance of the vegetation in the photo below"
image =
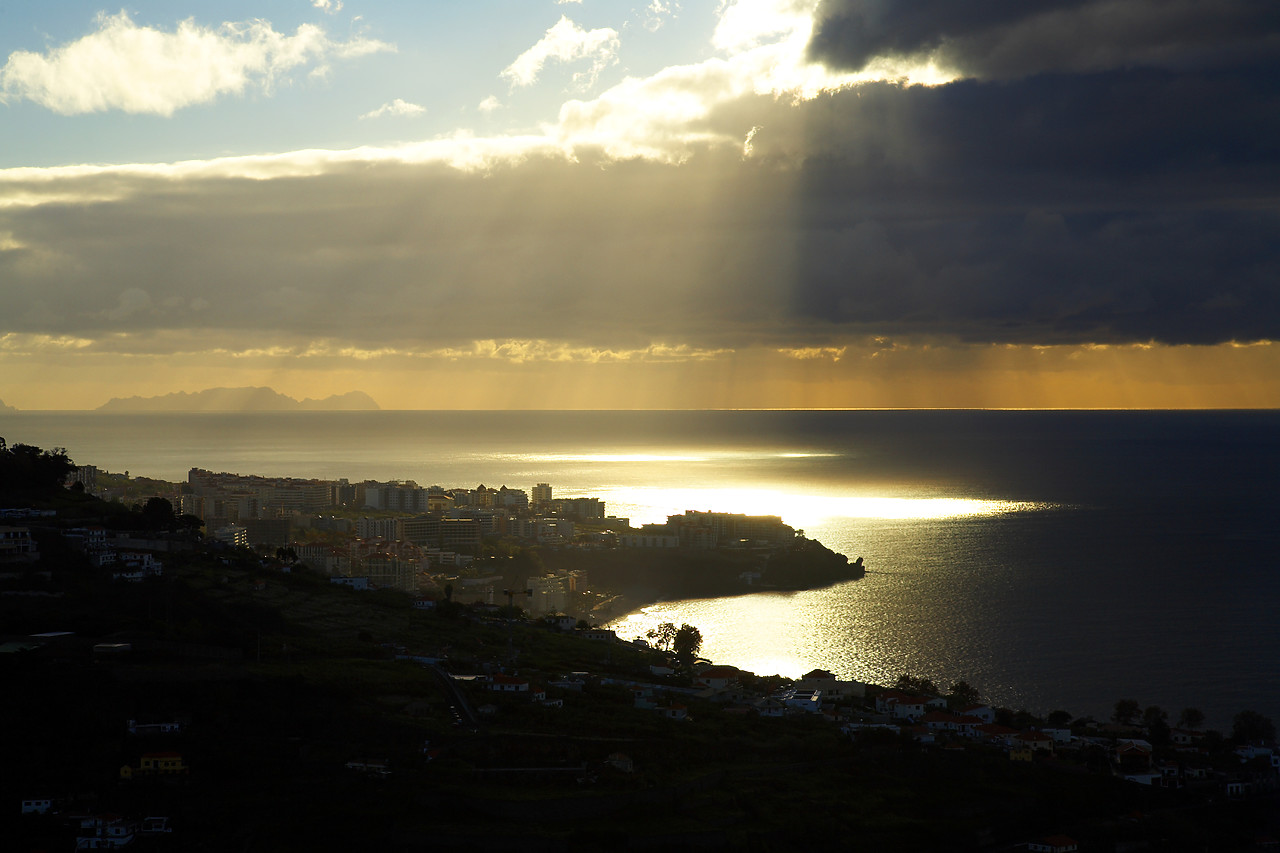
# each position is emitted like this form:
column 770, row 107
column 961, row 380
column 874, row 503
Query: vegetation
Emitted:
column 30, row 472
column 281, row 678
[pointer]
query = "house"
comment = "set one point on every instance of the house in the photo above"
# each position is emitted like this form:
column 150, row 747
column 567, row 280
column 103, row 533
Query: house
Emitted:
column 168, row 728
column 674, row 711
column 156, row 764
column 833, row 689
column 1054, row 844
column 155, row 825
column 941, row 721
column 1133, row 754
column 105, row 832
column 361, row 583
column 809, row 701
column 620, row 761
column 37, row 806
column 370, row 767
column 136, row 567
column 1035, row 741
column 717, row 677
column 771, row 707
column 603, row 635
column 906, row 706
column 643, row 697
column 561, row 622
column 983, row 712
column 502, row 683
column 995, row 733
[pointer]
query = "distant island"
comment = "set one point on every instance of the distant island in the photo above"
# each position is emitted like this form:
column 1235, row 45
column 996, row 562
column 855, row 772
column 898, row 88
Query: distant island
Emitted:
column 4, row 408
column 239, row 400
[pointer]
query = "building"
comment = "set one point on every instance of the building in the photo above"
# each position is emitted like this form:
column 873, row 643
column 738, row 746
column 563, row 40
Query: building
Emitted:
column 833, row 689
column 233, row 535
column 17, row 546
column 579, row 507
column 716, row 529
column 550, row 593
column 541, row 495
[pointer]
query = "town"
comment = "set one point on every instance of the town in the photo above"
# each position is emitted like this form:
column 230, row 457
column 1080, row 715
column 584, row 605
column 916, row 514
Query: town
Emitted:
column 384, row 666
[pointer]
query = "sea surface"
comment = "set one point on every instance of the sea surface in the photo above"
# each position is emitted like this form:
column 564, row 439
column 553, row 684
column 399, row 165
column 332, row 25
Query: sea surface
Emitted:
column 1050, row 559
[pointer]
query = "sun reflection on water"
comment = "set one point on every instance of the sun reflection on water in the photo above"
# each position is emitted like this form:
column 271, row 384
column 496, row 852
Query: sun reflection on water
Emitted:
column 653, row 505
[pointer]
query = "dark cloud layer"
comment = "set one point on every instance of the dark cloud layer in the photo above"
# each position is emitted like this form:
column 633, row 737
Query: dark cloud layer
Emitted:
column 1011, row 38
column 1132, row 204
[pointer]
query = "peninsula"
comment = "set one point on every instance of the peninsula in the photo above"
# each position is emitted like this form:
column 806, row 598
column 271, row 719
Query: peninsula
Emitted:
column 246, row 399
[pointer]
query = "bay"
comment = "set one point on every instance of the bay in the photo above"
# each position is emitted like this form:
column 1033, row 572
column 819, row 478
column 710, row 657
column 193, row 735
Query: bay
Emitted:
column 1051, row 559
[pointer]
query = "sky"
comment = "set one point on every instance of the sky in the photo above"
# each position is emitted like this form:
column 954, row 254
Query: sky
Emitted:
column 506, row 204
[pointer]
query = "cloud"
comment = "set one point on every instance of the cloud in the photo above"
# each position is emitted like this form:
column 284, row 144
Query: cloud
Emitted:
column 489, row 104
column 123, row 66
column 657, row 12
column 1009, row 38
column 329, row 7
column 397, row 107
column 752, row 200
column 566, row 42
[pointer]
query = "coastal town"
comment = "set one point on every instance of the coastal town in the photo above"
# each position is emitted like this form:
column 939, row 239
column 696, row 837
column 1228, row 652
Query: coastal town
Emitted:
column 269, row 662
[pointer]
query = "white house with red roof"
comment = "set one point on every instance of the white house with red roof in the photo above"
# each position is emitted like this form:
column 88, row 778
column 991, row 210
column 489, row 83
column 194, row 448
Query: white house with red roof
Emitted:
column 907, row 706
column 1054, row 844
column 674, row 711
column 1034, row 741
column 996, row 733
column 984, row 712
column 500, row 682
column 941, row 721
column 717, row 677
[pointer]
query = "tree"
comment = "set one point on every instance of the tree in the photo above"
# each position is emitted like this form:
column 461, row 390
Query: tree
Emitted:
column 663, row 637
column 1191, row 718
column 963, row 695
column 1154, row 714
column 1250, row 726
column 27, row 470
column 1155, row 719
column 1126, row 711
column 158, row 514
column 1058, row 719
column 687, row 643
column 912, row 684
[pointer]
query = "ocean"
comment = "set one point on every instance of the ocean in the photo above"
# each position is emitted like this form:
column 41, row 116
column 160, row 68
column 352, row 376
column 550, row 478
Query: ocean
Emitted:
column 1053, row 560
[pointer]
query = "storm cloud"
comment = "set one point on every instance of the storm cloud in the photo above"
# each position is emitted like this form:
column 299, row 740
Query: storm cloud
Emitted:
column 1011, row 38
column 1080, row 197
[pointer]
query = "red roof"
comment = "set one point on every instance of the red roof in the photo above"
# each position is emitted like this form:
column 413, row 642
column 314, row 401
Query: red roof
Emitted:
column 500, row 678
column 940, row 717
column 819, row 673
